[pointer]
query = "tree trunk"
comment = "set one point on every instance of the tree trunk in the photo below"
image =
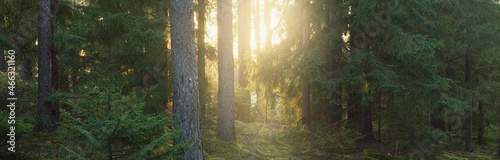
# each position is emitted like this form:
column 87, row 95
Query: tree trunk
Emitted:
column 379, row 105
column 185, row 78
column 306, row 98
column 257, row 50
column 55, row 113
column 45, row 123
column 306, row 95
column 480, row 124
column 354, row 117
column 268, row 45
column 498, row 152
column 267, row 22
column 3, row 65
column 244, row 29
column 367, row 123
column 468, row 111
column 202, row 81
column 225, row 110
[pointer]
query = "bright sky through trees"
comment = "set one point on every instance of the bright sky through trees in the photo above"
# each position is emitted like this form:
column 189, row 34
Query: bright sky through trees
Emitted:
column 275, row 18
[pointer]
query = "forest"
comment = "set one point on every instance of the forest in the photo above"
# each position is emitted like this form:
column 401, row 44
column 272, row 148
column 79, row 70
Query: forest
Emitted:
column 250, row 79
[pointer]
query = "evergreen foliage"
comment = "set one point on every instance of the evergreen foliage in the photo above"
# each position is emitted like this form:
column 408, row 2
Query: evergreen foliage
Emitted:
column 402, row 79
column 103, row 123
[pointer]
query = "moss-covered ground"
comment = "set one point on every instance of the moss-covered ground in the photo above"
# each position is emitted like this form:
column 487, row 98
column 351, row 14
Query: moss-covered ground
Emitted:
column 257, row 140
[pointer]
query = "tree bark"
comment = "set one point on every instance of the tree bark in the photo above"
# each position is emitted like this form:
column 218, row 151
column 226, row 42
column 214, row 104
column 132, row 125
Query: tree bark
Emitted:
column 185, row 78
column 225, row 110
column 45, row 123
column 244, row 25
column 202, row 83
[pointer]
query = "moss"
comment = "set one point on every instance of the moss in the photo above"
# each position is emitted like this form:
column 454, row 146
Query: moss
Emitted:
column 450, row 156
column 377, row 155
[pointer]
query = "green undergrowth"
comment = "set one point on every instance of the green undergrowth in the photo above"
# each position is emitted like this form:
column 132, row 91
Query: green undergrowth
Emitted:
column 257, row 140
column 254, row 141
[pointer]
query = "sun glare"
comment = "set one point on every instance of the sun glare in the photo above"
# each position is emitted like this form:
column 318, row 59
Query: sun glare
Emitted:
column 211, row 37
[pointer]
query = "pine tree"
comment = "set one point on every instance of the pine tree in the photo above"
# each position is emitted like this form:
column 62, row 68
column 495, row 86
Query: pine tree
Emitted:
column 185, row 78
column 54, row 62
column 202, row 80
column 244, row 25
column 46, row 123
column 306, row 93
column 225, row 97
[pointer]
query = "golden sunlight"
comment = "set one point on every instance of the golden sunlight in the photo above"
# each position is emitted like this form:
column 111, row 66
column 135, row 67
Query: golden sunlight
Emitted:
column 275, row 17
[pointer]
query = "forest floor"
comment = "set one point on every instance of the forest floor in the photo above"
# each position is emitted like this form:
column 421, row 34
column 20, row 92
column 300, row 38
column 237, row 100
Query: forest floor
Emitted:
column 258, row 140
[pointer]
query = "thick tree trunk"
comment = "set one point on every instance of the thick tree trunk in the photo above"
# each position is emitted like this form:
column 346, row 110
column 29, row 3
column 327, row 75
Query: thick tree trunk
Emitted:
column 468, row 111
column 225, row 110
column 45, row 123
column 244, row 29
column 202, row 81
column 185, row 78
